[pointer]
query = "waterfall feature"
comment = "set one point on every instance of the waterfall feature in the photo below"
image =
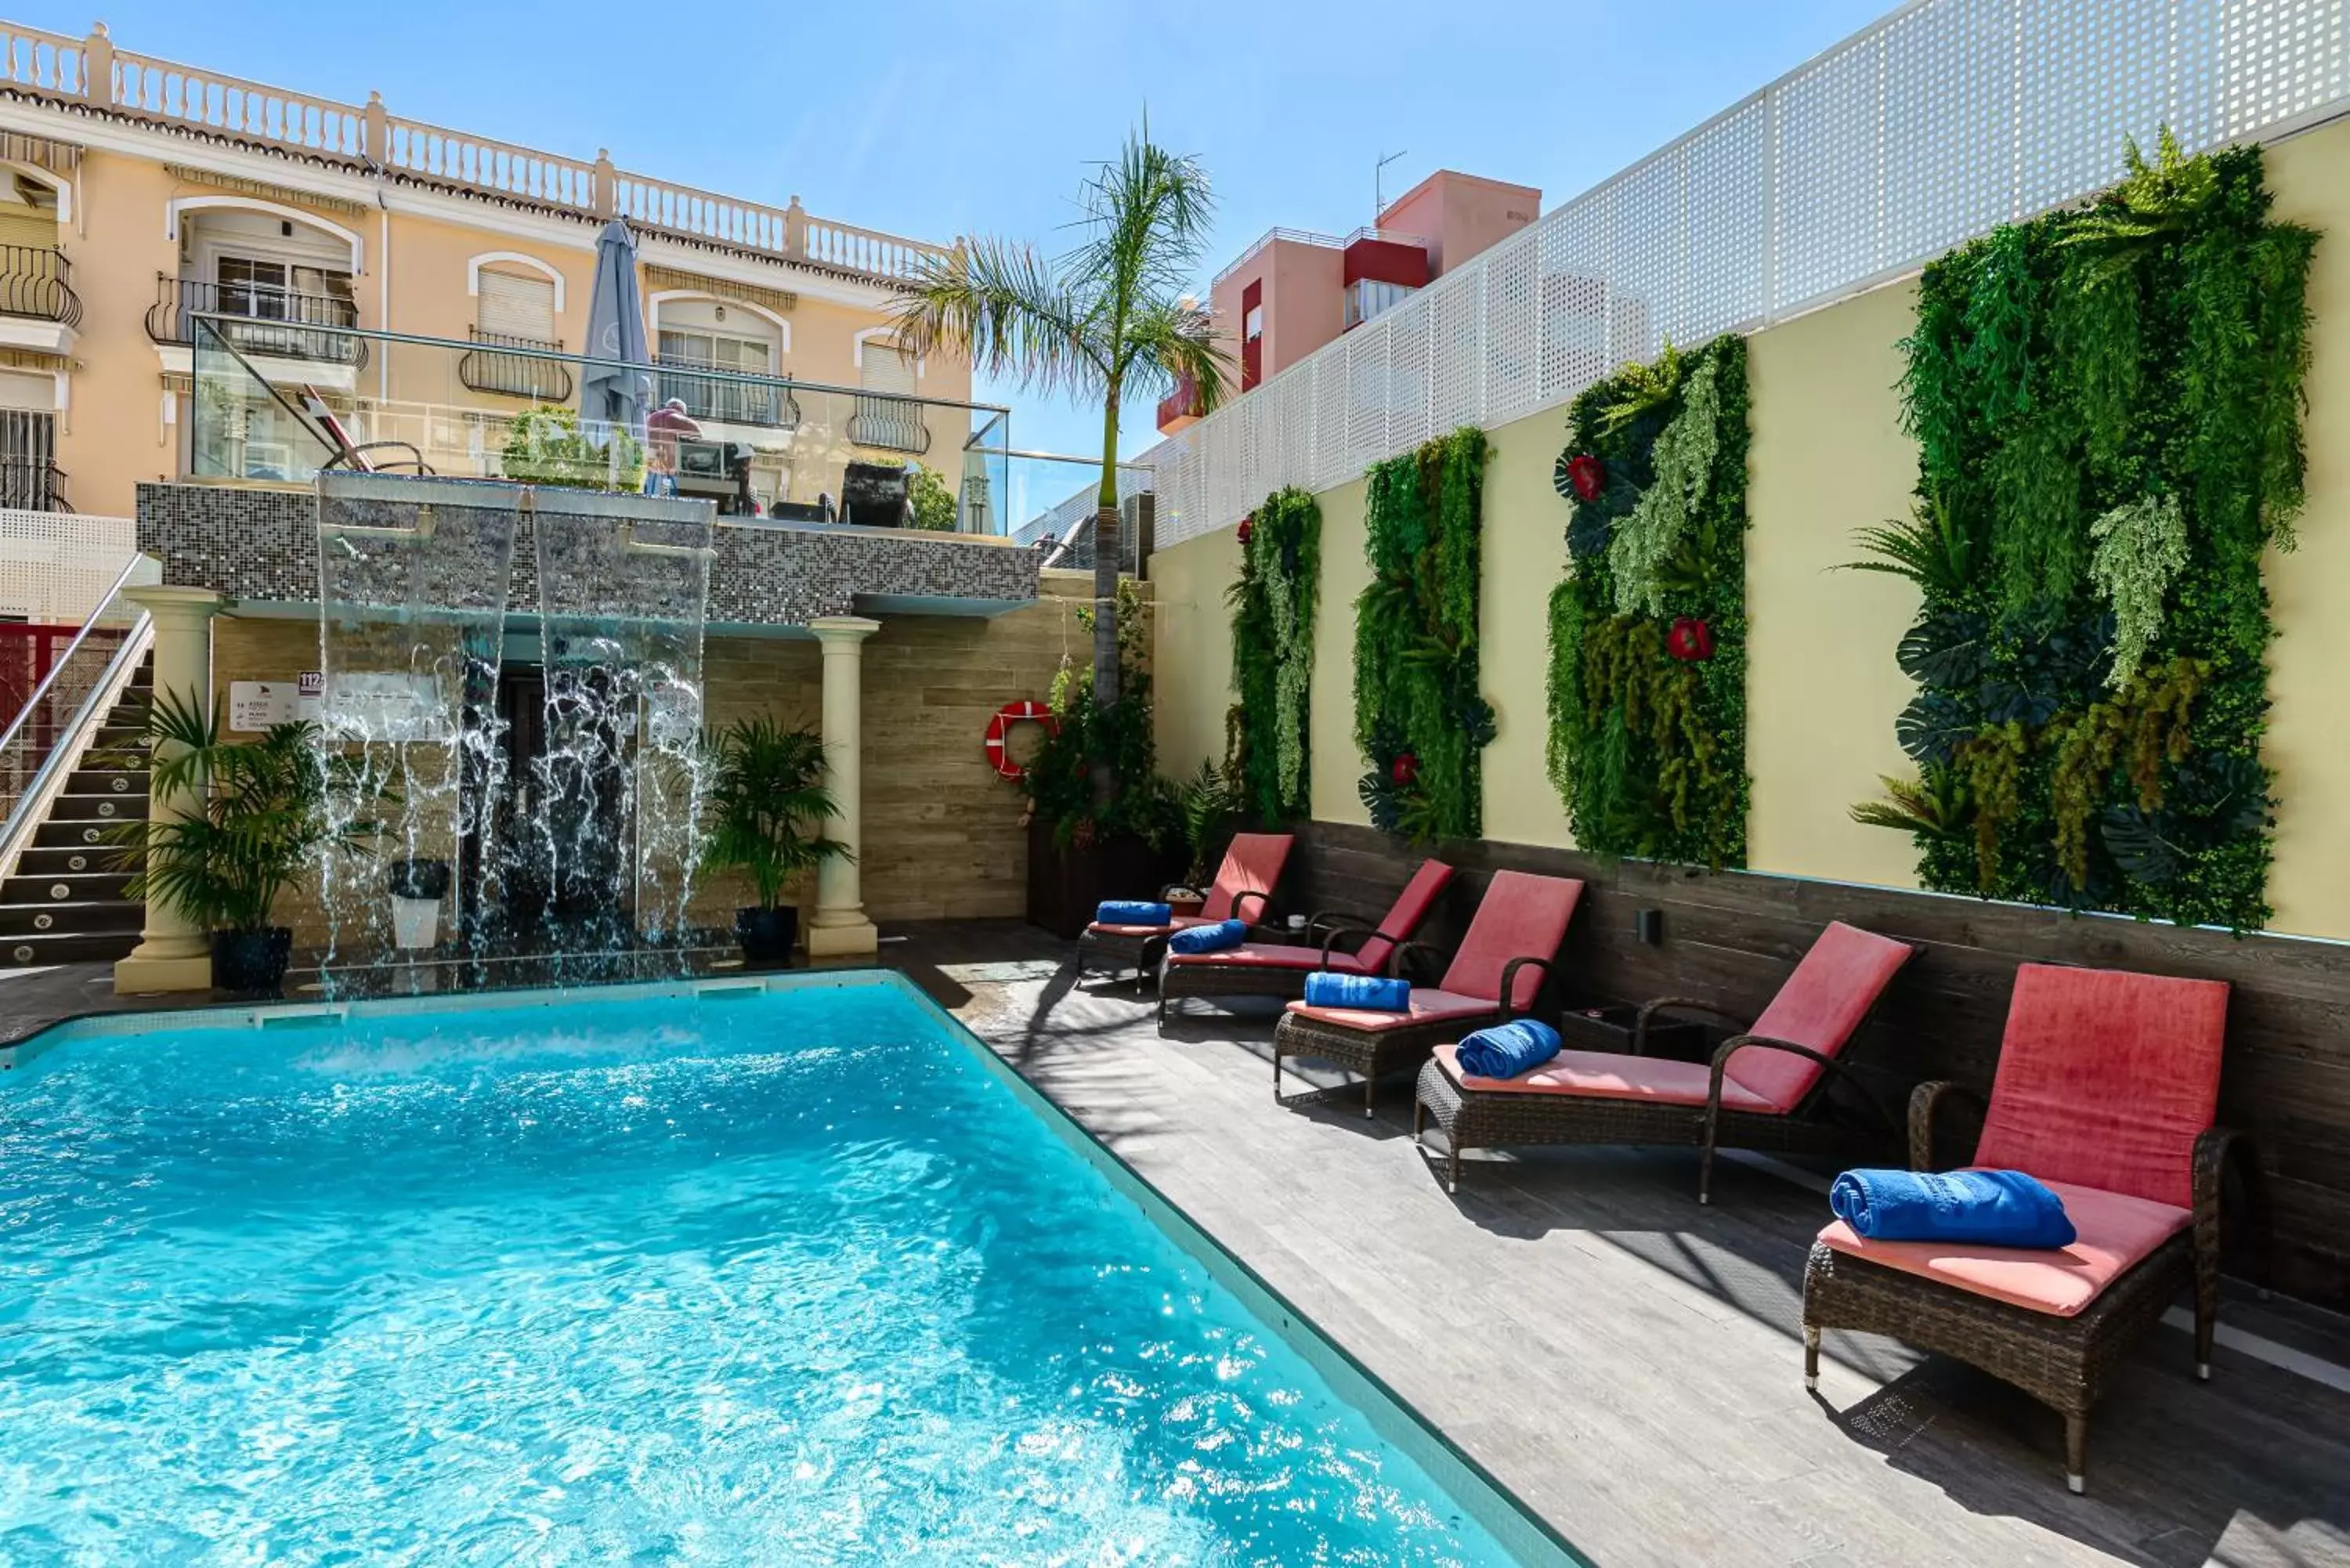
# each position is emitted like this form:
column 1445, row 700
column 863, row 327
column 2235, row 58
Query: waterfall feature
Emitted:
column 550, row 763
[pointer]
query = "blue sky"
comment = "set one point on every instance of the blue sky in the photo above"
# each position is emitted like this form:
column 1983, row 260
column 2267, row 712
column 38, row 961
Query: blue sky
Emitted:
column 935, row 120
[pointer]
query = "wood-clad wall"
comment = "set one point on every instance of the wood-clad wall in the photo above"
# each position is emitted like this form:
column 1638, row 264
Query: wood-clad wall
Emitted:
column 1735, row 936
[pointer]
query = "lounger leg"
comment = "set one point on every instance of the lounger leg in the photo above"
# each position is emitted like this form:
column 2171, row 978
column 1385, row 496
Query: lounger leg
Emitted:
column 1277, row 1075
column 1451, row 1163
column 1811, row 1358
column 1419, row 1118
column 2077, row 1451
column 2207, row 1308
column 1705, row 1167
column 1370, row 1094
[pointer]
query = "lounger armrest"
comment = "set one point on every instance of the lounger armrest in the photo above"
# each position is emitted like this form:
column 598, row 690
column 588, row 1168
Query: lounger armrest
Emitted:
column 1336, row 934
column 1831, row 1066
column 1677, row 1004
column 1925, row 1100
column 1510, row 981
column 1239, row 905
column 1405, row 949
column 1337, row 920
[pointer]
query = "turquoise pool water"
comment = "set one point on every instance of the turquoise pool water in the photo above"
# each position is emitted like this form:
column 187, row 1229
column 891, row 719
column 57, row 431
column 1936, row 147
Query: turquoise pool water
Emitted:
column 793, row 1279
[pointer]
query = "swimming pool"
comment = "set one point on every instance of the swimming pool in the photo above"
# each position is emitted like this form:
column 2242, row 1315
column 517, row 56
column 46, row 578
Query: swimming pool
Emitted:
column 792, row 1272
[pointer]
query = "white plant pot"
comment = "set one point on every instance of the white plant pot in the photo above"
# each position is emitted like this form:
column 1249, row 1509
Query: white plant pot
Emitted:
column 415, row 922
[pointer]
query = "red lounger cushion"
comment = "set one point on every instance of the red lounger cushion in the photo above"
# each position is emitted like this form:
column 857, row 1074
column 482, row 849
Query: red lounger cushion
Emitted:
column 1605, row 1075
column 2117, row 1233
column 2105, row 1079
column 1428, row 1006
column 1405, row 915
column 1272, row 955
column 1520, row 916
column 1820, row 1005
column 1253, row 865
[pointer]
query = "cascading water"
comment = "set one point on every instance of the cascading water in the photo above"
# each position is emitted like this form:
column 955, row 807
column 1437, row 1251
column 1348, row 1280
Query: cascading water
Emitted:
column 556, row 771
column 413, row 578
column 623, row 589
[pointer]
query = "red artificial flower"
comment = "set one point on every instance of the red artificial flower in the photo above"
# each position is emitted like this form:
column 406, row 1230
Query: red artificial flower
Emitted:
column 1247, row 528
column 1406, row 768
column 1587, row 474
column 1689, row 640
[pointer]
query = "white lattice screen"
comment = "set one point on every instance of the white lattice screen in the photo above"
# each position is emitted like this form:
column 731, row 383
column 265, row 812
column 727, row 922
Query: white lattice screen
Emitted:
column 56, row 567
column 1934, row 124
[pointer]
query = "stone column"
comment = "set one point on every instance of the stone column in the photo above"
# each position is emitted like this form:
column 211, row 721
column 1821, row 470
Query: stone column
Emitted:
column 173, row 955
column 841, row 927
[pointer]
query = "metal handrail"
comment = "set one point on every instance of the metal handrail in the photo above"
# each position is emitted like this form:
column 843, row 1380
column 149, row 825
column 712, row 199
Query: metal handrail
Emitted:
column 35, row 787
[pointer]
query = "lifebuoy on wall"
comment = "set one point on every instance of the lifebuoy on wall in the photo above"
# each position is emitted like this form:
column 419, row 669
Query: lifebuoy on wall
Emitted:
column 1011, row 713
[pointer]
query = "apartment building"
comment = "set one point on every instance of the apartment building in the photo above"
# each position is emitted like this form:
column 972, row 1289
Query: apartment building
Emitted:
column 405, row 285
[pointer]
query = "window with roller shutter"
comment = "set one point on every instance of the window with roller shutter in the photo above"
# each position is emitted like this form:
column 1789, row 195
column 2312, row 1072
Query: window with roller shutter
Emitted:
column 517, row 307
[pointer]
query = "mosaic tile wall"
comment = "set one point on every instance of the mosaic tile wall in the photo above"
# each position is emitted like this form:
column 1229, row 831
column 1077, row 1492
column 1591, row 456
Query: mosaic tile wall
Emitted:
column 262, row 545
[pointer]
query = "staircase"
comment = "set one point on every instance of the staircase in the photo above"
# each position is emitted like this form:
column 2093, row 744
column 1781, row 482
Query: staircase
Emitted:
column 64, row 900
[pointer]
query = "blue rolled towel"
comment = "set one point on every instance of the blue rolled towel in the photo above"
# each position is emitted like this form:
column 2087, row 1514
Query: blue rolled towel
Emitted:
column 1986, row 1208
column 1131, row 912
column 1210, row 939
column 1506, row 1050
column 1372, row 993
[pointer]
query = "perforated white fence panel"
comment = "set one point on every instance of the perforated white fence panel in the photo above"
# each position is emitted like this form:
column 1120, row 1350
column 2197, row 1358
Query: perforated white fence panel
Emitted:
column 56, row 567
column 1934, row 124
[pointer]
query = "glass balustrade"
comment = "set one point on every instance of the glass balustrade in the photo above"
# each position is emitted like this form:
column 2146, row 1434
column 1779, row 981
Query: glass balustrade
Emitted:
column 761, row 447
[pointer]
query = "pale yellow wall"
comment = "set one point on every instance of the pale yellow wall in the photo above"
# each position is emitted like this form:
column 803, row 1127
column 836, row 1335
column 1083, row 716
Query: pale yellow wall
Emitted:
column 1828, row 456
column 2308, row 740
column 1188, row 583
column 1337, row 766
column 114, row 436
column 1524, row 546
column 1823, row 690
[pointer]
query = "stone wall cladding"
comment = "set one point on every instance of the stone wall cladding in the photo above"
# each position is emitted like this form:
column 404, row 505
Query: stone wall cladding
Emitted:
column 261, row 546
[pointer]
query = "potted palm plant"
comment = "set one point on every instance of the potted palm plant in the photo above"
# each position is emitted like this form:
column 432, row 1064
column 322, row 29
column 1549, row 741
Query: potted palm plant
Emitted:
column 1203, row 802
column 259, row 817
column 768, row 806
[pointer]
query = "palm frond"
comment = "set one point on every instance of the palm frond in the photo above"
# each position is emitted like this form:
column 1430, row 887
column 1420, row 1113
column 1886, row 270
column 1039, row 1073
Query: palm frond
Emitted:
column 1931, row 548
column 1933, row 805
column 1149, row 212
column 1010, row 313
column 1171, row 342
column 768, row 801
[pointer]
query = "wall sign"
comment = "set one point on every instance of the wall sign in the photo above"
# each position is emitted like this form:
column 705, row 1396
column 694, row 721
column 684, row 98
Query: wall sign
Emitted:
column 255, row 705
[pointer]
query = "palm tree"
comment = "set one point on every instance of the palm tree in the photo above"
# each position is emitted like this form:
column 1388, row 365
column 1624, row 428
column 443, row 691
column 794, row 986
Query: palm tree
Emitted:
column 1107, row 320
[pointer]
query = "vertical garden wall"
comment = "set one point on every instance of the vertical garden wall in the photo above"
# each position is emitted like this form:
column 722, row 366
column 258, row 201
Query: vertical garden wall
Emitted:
column 1268, row 733
column 1421, row 721
column 1648, row 629
column 2107, row 406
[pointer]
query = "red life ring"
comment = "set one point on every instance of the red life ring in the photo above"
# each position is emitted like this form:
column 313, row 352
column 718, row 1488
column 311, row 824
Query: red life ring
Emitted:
column 1011, row 713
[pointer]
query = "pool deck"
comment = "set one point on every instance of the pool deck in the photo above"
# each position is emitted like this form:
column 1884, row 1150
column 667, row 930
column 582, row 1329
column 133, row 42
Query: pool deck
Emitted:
column 1625, row 1360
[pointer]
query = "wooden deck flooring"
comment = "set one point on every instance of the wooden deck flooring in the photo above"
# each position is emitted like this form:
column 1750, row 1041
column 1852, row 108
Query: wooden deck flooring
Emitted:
column 1627, row 1362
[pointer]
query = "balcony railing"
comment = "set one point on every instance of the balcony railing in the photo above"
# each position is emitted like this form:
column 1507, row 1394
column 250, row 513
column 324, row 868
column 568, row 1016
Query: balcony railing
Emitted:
column 764, row 403
column 309, row 327
column 523, row 375
column 32, row 485
column 37, row 281
column 367, row 138
column 889, row 424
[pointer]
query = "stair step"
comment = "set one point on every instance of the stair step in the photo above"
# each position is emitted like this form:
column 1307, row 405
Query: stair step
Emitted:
column 63, row 860
column 71, row 919
column 19, row 952
column 107, row 781
column 85, row 833
column 73, row 886
column 73, row 807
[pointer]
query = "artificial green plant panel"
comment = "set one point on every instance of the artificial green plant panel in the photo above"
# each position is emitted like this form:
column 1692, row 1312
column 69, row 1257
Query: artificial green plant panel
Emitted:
column 2108, row 405
column 1647, row 629
column 1273, row 603
column 1420, row 720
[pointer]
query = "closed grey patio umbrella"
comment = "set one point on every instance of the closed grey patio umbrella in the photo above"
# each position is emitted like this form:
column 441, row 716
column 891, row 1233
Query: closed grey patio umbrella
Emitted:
column 616, row 391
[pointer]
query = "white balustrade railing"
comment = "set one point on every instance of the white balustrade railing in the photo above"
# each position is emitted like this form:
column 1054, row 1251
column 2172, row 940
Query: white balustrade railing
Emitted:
column 1936, row 123
column 91, row 70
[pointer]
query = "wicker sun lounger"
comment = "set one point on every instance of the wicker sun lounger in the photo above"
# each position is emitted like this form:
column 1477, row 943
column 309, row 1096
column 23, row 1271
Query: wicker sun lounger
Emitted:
column 1764, row 1089
column 1511, row 945
column 1278, row 969
column 1242, row 891
column 2107, row 1086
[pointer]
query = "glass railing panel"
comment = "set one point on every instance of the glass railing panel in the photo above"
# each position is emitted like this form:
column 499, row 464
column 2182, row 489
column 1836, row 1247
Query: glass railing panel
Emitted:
column 54, row 675
column 758, row 447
